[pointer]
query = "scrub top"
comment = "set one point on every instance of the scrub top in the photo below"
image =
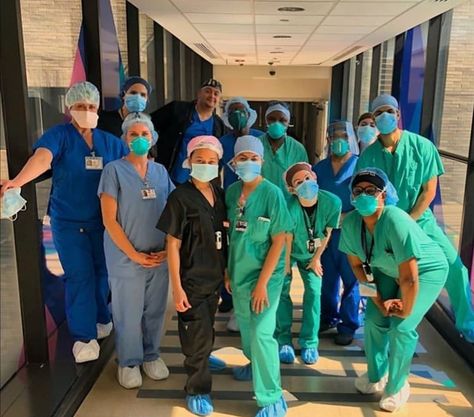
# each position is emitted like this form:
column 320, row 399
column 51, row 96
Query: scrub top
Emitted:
column 136, row 215
column 397, row 238
column 326, row 214
column 189, row 217
column 197, row 128
column 337, row 184
column 73, row 196
column 415, row 161
column 228, row 143
column 265, row 215
column 276, row 163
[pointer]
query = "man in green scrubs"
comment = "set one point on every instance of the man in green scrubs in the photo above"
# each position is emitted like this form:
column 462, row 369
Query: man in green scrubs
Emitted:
column 413, row 165
column 388, row 250
column 315, row 213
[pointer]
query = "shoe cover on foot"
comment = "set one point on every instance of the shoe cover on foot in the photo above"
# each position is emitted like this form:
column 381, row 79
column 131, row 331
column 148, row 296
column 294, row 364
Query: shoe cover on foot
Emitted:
column 232, row 324
column 156, row 369
column 129, row 377
column 364, row 386
column 287, row 354
column 394, row 402
column 277, row 409
column 200, row 404
column 243, row 373
column 104, row 330
column 86, row 352
column 309, row 355
column 216, row 364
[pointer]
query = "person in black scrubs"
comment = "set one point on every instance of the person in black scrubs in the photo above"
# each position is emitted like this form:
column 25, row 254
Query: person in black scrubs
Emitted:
column 194, row 220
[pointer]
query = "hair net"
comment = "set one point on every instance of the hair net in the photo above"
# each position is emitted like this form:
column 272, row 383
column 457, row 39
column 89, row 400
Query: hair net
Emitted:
column 348, row 129
column 83, row 92
column 391, row 193
column 248, row 143
column 293, row 169
column 142, row 118
column 384, row 100
column 251, row 112
column 203, row 142
column 278, row 106
column 135, row 80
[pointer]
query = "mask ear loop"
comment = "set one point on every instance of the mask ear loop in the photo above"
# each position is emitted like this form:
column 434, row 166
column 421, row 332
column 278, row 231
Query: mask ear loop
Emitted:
column 14, row 217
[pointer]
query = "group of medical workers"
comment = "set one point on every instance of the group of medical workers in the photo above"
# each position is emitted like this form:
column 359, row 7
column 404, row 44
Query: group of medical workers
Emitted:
column 228, row 216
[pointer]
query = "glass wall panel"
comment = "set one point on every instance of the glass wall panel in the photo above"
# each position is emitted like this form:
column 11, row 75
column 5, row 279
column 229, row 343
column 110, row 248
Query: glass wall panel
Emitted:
column 350, row 89
column 386, row 66
column 365, row 83
column 120, row 19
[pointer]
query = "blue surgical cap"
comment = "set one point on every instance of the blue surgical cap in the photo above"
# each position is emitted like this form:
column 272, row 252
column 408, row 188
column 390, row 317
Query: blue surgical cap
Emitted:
column 251, row 112
column 142, row 118
column 384, row 100
column 391, row 198
column 248, row 143
column 83, row 92
column 135, row 80
column 343, row 127
column 278, row 106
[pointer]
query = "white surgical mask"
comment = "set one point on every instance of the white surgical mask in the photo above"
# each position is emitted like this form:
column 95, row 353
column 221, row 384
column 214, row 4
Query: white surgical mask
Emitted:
column 12, row 203
column 85, row 119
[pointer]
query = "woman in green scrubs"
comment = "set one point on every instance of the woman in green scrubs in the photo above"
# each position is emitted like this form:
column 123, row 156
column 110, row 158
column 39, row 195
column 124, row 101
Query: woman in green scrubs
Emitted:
column 389, row 252
column 259, row 222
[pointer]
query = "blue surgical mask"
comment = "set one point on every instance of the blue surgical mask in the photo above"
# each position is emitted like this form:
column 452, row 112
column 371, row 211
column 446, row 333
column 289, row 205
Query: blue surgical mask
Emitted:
column 204, row 172
column 248, row 170
column 339, row 147
column 308, row 190
column 12, row 203
column 276, row 130
column 365, row 204
column 366, row 133
column 386, row 122
column 135, row 103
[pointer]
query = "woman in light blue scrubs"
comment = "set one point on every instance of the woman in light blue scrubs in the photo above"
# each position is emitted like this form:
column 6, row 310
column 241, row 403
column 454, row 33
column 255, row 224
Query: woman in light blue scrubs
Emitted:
column 133, row 192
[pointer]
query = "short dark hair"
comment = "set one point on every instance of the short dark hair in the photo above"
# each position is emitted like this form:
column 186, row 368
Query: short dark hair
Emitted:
column 363, row 116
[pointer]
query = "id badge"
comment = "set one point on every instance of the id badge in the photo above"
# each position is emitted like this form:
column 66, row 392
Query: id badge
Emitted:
column 218, row 240
column 368, row 272
column 367, row 289
column 94, row 162
column 313, row 244
column 240, row 226
column 148, row 193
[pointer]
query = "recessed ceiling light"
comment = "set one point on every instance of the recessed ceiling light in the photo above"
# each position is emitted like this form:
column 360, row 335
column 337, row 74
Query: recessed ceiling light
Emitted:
column 276, row 52
column 239, row 60
column 284, row 20
column 290, row 9
column 282, row 36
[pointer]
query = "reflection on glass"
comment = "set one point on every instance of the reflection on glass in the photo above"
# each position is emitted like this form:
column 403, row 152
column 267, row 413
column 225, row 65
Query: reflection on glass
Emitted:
column 350, row 89
column 386, row 66
column 147, row 55
column 365, row 84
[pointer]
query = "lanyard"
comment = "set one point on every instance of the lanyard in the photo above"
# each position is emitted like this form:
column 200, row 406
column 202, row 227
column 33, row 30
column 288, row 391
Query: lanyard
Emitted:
column 368, row 254
column 307, row 222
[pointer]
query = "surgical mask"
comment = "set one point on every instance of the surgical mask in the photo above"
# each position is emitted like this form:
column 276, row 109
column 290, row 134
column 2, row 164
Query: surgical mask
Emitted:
column 238, row 120
column 339, row 147
column 308, row 190
column 276, row 130
column 204, row 172
column 366, row 133
column 365, row 204
column 135, row 103
column 85, row 119
column 12, row 203
column 140, row 145
column 248, row 170
column 386, row 122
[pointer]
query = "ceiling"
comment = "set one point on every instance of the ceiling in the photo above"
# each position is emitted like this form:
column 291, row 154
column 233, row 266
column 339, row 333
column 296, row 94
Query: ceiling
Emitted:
column 256, row 32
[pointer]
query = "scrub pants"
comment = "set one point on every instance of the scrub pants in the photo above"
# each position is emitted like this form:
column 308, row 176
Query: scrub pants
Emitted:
column 81, row 252
column 139, row 301
column 258, row 343
column 457, row 284
column 390, row 342
column 336, row 266
column 311, row 310
column 196, row 333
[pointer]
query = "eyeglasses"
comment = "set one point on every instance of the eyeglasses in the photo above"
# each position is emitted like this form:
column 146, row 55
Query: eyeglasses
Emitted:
column 370, row 190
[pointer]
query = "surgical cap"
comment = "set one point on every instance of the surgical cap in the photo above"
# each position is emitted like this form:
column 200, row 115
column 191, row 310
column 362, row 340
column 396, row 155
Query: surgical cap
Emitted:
column 376, row 177
column 251, row 112
column 135, row 80
column 142, row 118
column 293, row 169
column 83, row 92
column 203, row 142
column 278, row 106
column 211, row 82
column 384, row 100
column 348, row 129
column 248, row 143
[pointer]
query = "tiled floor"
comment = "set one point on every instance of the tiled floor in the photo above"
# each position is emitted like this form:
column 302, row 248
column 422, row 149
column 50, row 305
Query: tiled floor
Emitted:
column 441, row 383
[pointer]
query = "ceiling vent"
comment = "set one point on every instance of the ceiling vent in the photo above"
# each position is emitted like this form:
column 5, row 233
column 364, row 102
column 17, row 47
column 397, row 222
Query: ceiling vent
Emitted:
column 345, row 53
column 203, row 48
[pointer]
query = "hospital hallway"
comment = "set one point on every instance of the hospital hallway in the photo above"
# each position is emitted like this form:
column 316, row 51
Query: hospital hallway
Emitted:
column 441, row 383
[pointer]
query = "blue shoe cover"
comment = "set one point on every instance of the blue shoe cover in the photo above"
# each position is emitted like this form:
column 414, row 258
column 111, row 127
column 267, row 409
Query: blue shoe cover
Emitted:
column 287, row 354
column 216, row 364
column 309, row 355
column 277, row 409
column 468, row 335
column 243, row 373
column 200, row 404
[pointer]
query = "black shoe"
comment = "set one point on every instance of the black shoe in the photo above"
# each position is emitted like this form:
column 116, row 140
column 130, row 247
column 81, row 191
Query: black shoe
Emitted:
column 225, row 306
column 324, row 327
column 342, row 339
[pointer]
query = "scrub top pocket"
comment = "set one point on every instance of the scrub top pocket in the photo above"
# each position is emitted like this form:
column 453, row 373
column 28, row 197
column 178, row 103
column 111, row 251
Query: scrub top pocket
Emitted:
column 260, row 229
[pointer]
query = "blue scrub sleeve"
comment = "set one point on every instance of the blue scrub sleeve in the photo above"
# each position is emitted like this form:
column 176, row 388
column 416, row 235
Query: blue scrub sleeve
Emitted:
column 53, row 140
column 109, row 182
column 172, row 220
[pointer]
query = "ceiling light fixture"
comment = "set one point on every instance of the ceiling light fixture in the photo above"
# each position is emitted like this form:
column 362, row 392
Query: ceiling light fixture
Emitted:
column 276, row 52
column 284, row 20
column 281, row 36
column 290, row 9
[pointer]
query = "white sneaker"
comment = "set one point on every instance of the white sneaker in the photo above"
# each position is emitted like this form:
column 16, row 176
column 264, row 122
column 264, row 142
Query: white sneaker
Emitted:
column 129, row 377
column 103, row 330
column 156, row 369
column 364, row 386
column 394, row 402
column 232, row 324
column 86, row 352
